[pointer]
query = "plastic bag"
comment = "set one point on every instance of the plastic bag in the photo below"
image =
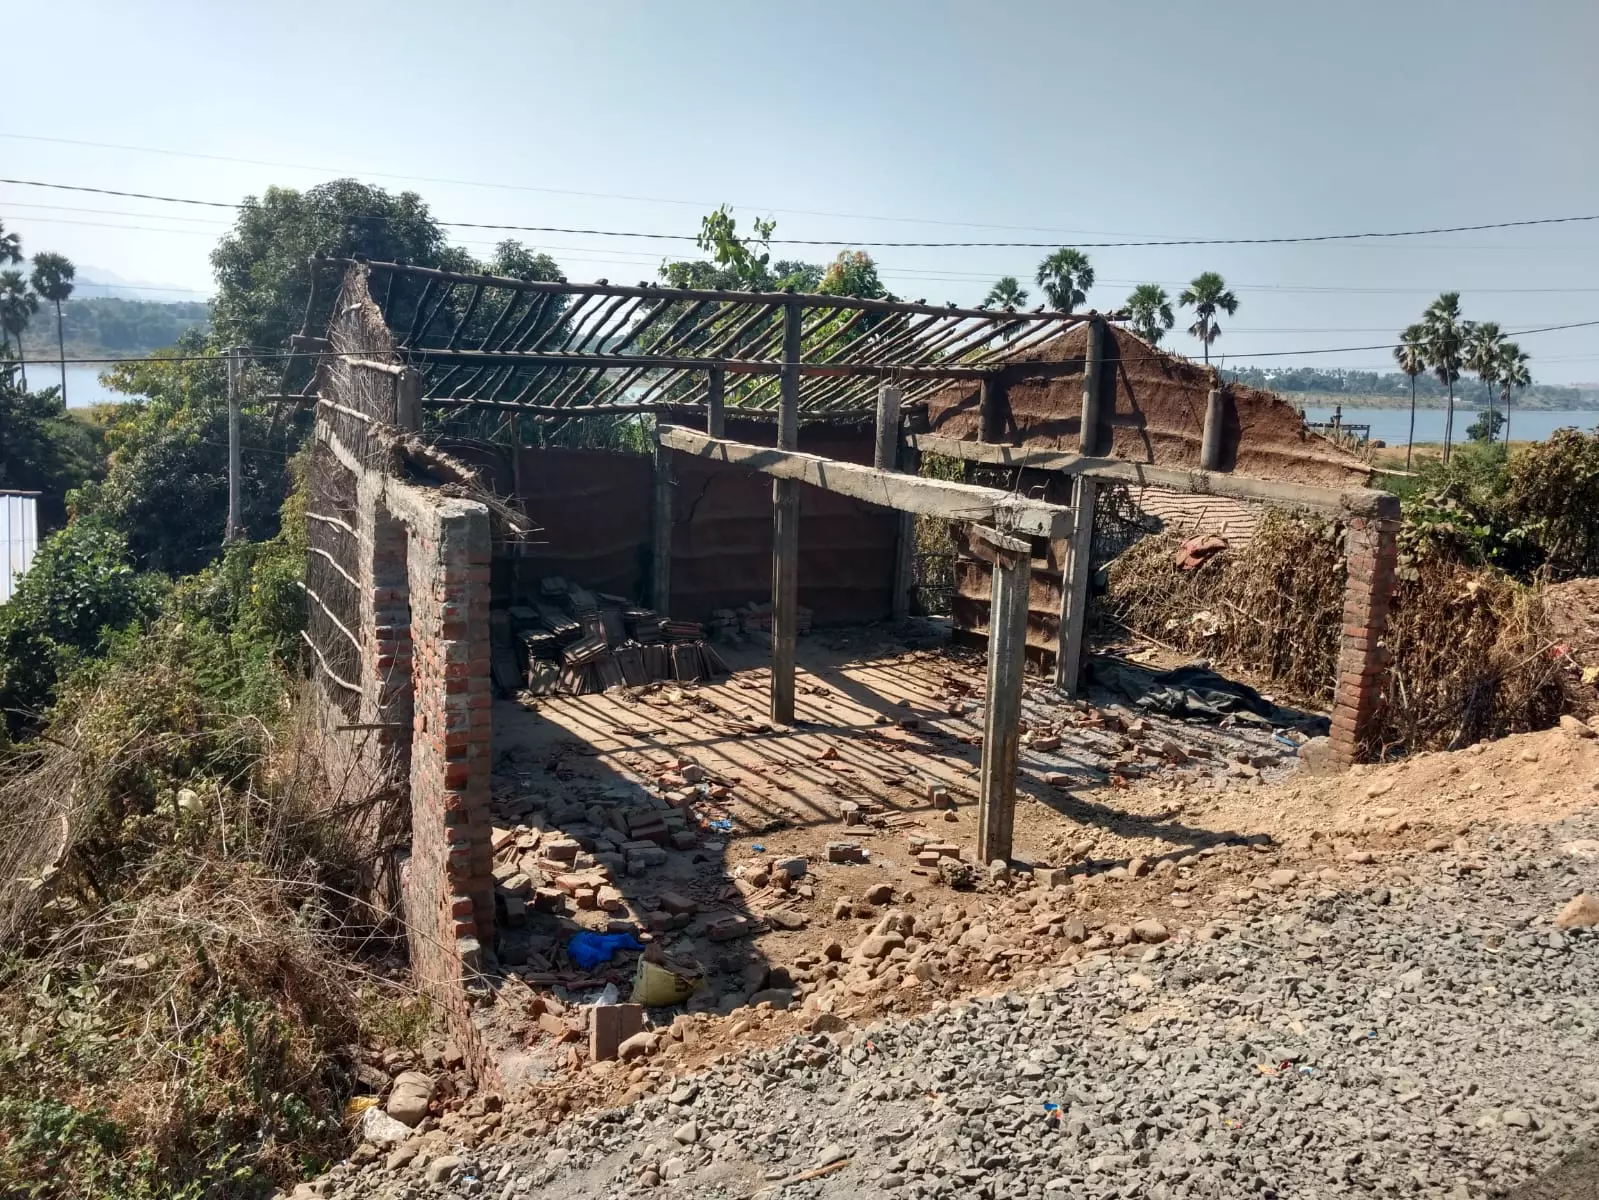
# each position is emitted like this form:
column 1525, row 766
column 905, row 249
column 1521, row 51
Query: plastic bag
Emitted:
column 589, row 950
column 656, row 986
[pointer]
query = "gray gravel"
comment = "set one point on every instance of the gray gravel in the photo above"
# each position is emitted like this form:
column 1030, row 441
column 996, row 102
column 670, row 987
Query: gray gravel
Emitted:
column 1433, row 1038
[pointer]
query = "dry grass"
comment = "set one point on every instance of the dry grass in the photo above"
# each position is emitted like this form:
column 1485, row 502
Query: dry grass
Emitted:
column 1470, row 647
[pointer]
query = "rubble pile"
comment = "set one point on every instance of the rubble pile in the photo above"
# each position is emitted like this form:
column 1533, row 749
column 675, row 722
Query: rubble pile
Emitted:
column 575, row 642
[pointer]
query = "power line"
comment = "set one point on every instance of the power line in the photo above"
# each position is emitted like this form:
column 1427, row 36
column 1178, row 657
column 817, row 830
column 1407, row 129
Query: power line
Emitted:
column 1297, row 239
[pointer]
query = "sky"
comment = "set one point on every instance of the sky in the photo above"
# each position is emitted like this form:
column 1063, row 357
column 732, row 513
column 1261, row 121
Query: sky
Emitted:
column 867, row 121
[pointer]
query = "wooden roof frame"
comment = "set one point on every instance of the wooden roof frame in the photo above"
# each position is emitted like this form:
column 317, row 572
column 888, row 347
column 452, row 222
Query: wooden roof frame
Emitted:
column 554, row 349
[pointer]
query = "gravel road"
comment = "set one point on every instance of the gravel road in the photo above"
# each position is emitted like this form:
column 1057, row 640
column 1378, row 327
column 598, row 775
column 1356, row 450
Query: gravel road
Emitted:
column 1435, row 1038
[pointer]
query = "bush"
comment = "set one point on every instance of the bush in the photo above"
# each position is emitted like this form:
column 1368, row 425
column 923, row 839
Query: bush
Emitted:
column 80, row 589
column 1552, row 492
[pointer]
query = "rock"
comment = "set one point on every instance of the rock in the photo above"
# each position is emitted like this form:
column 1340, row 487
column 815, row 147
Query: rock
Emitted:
column 878, row 944
column 440, row 1169
column 1516, row 1118
column 381, row 1129
column 686, row 1134
column 785, row 918
column 1571, row 725
column 881, row 894
column 1282, row 877
column 1316, row 758
column 1437, row 845
column 1150, row 931
column 831, row 1153
column 999, row 870
column 959, row 875
column 826, row 1022
column 1053, row 877
column 1580, row 912
column 409, row 1098
column 637, row 1046
column 794, row 868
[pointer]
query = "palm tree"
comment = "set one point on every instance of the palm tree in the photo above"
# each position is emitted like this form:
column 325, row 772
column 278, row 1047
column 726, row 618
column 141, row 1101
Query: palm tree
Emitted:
column 17, row 306
column 1411, row 354
column 1446, row 338
column 1008, row 292
column 1513, row 373
column 1483, row 344
column 52, row 280
column 10, row 246
column 1065, row 277
column 1151, row 314
column 1207, row 295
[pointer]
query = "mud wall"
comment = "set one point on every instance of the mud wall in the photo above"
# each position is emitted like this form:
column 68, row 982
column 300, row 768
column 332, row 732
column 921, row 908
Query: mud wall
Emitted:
column 1154, row 412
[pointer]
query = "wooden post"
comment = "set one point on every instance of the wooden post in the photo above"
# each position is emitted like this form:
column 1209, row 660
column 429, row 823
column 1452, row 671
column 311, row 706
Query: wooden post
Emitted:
column 235, row 528
column 990, row 402
column 785, row 530
column 715, row 414
column 408, row 399
column 1210, row 440
column 661, row 532
column 1074, row 586
column 1012, row 564
column 1088, row 433
column 887, row 458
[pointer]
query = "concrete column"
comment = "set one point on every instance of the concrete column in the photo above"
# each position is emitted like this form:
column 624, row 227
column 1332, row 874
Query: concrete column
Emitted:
column 1007, row 659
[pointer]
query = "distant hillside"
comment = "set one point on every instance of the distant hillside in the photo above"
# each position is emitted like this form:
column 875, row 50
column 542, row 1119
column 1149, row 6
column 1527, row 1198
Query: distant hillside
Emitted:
column 1391, row 389
column 106, row 328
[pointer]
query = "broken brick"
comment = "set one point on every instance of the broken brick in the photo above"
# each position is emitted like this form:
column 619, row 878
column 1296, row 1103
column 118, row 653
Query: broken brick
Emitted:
column 730, row 929
column 845, row 852
column 676, row 903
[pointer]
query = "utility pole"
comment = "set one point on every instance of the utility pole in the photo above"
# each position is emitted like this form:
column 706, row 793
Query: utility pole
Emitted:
column 235, row 528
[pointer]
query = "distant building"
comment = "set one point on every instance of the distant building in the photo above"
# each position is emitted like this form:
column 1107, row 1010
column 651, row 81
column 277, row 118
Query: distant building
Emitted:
column 19, row 537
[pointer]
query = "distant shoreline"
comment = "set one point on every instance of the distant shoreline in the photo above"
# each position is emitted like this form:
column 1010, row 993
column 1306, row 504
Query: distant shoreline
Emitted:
column 1588, row 403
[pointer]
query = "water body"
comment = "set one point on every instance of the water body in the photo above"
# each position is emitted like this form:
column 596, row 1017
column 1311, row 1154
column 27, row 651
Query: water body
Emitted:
column 1391, row 424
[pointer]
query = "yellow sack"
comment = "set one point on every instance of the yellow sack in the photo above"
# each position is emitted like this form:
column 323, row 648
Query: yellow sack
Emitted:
column 656, row 986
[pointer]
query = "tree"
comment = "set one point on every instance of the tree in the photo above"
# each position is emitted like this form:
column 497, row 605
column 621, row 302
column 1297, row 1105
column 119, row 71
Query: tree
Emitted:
column 10, row 247
column 1482, row 347
column 853, row 273
column 1411, row 355
column 44, row 450
column 1485, row 428
column 1151, row 311
column 1007, row 292
column 1445, row 347
column 17, row 306
column 1065, row 277
column 262, row 265
column 1207, row 295
column 1513, row 373
column 52, row 280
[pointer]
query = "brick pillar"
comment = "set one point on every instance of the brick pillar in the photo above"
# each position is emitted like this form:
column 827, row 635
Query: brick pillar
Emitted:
column 449, row 880
column 1370, row 555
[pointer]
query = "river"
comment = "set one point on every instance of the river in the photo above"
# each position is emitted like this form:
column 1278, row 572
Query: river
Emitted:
column 1391, row 424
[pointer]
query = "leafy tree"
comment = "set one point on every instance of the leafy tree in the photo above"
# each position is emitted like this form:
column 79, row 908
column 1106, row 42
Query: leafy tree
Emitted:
column 10, row 247
column 1411, row 355
column 166, row 490
column 262, row 265
column 853, row 273
column 44, row 450
column 1487, row 425
column 1207, row 295
column 1513, row 373
column 1553, row 491
column 1007, row 292
column 1065, row 276
column 17, row 306
column 52, row 281
column 1151, row 311
column 1446, row 343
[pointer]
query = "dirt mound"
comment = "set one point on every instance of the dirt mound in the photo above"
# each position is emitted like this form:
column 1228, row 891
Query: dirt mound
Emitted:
column 1573, row 612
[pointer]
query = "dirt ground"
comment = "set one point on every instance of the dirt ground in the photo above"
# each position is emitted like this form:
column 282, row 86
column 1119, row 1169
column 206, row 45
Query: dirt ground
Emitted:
column 1130, row 818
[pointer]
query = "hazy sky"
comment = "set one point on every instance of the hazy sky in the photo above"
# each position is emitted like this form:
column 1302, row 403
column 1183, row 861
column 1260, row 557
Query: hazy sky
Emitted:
column 872, row 121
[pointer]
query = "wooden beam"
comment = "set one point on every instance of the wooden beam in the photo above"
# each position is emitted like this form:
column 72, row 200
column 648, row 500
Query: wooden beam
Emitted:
column 1335, row 501
column 661, row 533
column 785, row 530
column 1092, row 419
column 891, row 489
column 1075, row 575
column 1007, row 651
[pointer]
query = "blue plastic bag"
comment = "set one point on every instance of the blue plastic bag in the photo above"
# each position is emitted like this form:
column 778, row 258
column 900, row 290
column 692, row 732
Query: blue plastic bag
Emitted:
column 589, row 950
